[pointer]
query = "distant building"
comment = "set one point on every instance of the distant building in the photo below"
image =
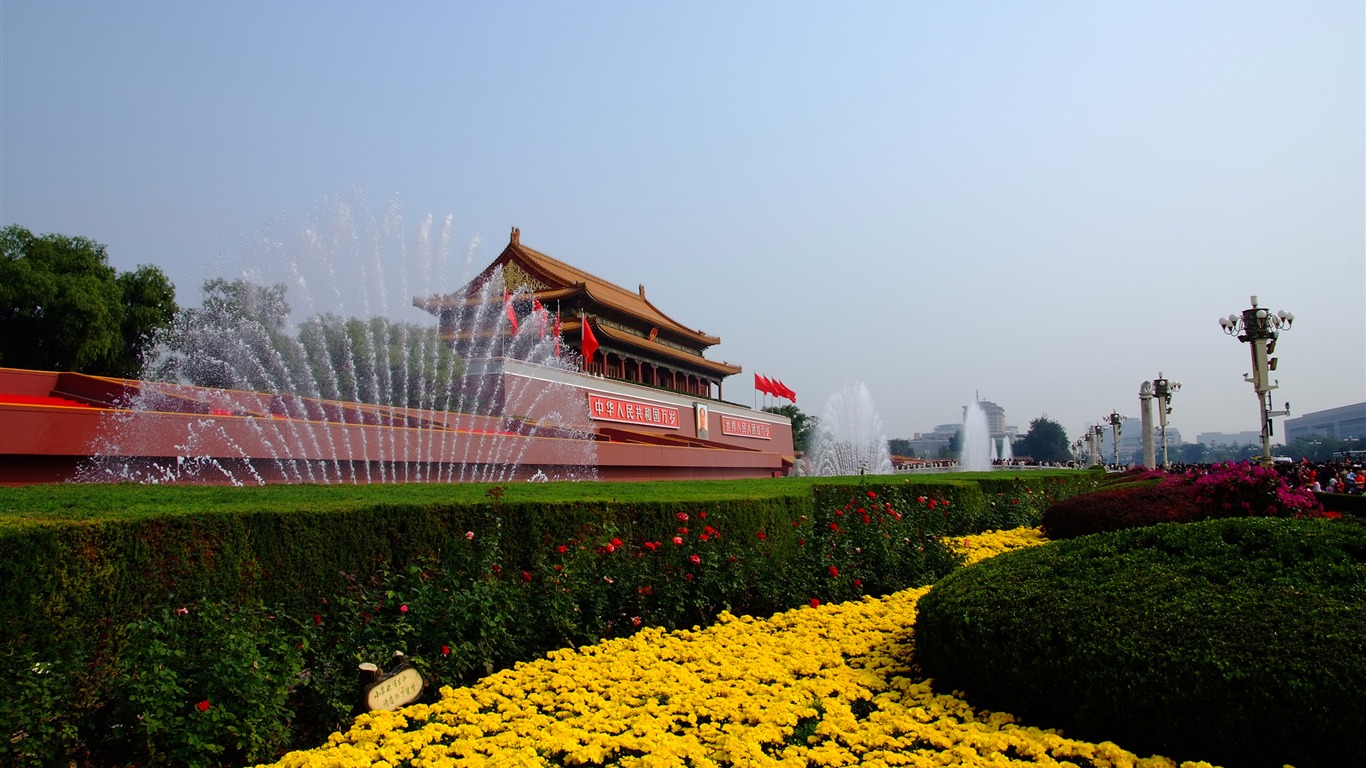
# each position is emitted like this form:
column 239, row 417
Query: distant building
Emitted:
column 1345, row 422
column 931, row 444
column 996, row 417
column 1229, row 438
column 1131, row 441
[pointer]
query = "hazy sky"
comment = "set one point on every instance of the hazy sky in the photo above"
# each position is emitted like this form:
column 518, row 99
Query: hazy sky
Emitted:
column 1044, row 202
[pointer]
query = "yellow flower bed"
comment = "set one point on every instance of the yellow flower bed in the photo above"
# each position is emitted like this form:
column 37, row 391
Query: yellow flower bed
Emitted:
column 810, row 687
column 992, row 543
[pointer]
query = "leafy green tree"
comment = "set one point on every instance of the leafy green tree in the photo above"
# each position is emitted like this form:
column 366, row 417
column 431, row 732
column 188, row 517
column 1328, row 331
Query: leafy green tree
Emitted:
column 1317, row 447
column 1046, row 440
column 1188, row 453
column 242, row 301
column 62, row 307
column 1234, row 452
column 899, row 446
column 235, row 339
column 148, row 308
column 803, row 426
column 240, row 339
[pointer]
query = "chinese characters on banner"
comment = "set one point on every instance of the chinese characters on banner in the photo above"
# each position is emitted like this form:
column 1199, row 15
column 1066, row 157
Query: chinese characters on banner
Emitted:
column 613, row 408
column 734, row 425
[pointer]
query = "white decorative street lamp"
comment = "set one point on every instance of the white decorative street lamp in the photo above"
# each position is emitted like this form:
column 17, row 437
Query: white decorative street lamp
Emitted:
column 1115, row 420
column 1097, row 440
column 1259, row 328
column 1145, row 415
column 1162, row 390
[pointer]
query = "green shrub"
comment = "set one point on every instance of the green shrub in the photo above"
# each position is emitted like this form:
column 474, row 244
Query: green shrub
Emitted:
column 1351, row 505
column 462, row 579
column 1130, row 505
column 1146, row 497
column 1237, row 641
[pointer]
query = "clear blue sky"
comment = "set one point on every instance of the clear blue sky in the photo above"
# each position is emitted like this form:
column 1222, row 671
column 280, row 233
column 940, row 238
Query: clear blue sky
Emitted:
column 1045, row 202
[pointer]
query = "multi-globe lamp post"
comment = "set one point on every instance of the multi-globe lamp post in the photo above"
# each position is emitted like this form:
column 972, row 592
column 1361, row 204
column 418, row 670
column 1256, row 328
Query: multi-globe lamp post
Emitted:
column 1162, row 390
column 1115, row 420
column 1259, row 328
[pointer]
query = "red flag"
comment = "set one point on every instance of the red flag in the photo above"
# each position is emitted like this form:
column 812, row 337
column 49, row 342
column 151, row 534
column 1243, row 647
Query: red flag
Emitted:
column 512, row 314
column 589, row 344
column 761, row 384
column 783, row 391
column 540, row 313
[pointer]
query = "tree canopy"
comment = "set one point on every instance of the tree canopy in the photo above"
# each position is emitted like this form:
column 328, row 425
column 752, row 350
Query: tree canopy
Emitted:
column 1046, row 440
column 900, row 446
column 240, row 339
column 64, row 308
column 803, row 426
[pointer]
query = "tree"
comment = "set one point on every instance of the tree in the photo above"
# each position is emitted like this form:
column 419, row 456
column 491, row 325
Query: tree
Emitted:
column 1046, row 440
column 803, row 426
column 240, row 339
column 1188, row 453
column 63, row 308
column 1317, row 447
column 148, row 308
column 899, row 446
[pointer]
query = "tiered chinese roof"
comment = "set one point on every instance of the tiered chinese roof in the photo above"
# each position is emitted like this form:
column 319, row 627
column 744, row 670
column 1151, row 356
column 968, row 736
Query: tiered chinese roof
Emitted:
column 624, row 322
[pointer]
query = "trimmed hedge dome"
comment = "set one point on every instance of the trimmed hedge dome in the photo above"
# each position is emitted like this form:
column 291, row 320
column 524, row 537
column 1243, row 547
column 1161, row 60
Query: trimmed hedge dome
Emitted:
column 1236, row 641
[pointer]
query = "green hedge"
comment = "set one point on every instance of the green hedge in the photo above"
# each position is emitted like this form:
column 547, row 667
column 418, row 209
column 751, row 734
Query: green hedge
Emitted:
column 1343, row 503
column 299, row 583
column 1236, row 641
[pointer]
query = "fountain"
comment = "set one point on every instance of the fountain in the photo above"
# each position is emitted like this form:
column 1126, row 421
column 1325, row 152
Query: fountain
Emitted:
column 974, row 440
column 849, row 438
column 1007, row 455
column 356, row 386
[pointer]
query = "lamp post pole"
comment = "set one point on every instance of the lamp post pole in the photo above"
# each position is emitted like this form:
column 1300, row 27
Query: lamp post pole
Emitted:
column 1115, row 420
column 1259, row 328
column 1162, row 390
column 1145, row 414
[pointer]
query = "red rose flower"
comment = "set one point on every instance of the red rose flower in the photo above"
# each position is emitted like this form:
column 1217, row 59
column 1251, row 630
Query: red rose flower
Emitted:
column 202, row 706
column 695, row 559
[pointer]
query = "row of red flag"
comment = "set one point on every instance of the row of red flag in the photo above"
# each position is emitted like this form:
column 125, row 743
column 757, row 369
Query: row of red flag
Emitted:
column 589, row 343
column 773, row 387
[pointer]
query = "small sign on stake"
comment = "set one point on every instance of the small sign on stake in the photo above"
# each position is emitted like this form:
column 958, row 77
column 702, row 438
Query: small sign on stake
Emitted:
column 399, row 687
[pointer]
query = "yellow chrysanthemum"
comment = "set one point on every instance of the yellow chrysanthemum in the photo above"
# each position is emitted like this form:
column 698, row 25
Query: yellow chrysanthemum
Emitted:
column 819, row 686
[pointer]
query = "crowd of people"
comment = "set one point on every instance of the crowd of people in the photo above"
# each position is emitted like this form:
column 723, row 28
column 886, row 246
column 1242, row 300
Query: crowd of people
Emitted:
column 1336, row 476
column 1340, row 476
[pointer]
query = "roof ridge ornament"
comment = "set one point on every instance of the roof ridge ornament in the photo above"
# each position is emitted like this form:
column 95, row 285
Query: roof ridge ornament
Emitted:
column 516, row 238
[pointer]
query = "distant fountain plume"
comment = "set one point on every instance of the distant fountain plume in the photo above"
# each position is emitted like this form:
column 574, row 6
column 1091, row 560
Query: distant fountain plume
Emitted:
column 355, row 385
column 974, row 440
column 849, row 439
